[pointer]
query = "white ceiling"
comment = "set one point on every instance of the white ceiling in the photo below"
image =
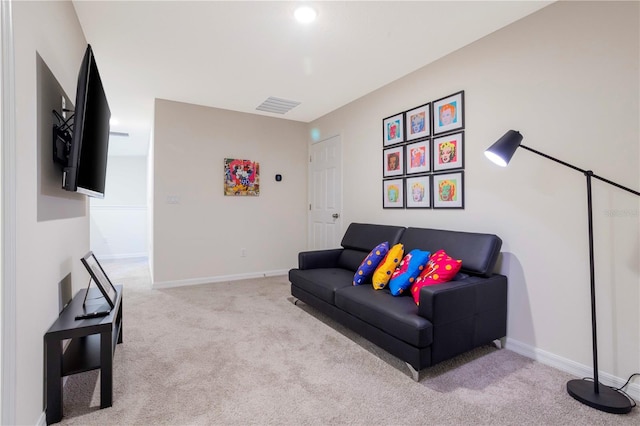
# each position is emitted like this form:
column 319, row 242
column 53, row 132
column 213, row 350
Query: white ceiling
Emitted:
column 235, row 54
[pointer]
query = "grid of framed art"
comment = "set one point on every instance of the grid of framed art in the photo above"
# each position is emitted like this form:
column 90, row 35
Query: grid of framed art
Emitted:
column 423, row 156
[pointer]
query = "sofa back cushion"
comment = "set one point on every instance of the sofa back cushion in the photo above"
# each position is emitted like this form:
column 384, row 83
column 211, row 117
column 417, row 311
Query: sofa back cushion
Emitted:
column 478, row 252
column 365, row 236
column 351, row 259
column 361, row 238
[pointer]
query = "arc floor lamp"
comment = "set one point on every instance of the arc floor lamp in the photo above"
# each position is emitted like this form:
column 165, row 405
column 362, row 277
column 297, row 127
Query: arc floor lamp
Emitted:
column 603, row 398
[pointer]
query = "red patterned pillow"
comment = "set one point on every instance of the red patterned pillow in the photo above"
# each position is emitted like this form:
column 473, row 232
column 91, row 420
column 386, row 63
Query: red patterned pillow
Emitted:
column 440, row 269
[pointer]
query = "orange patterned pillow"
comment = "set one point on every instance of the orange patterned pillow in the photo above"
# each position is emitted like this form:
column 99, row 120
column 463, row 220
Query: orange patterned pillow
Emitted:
column 383, row 272
column 440, row 269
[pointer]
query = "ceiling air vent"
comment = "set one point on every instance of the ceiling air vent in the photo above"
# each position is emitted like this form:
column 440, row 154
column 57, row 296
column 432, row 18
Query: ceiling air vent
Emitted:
column 277, row 105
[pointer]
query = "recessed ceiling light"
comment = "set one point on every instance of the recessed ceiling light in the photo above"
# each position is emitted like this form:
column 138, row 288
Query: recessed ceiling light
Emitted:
column 305, row 14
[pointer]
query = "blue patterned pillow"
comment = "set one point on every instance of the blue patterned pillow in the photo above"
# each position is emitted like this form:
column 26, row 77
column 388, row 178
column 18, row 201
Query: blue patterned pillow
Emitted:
column 370, row 263
column 408, row 270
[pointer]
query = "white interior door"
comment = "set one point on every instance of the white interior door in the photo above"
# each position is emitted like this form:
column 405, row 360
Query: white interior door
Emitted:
column 325, row 199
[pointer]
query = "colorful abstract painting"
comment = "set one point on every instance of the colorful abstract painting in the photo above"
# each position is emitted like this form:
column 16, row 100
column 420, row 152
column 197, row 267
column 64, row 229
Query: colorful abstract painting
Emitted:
column 241, row 177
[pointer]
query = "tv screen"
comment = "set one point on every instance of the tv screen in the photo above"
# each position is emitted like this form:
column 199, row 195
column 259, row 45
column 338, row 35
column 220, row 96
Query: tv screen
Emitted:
column 86, row 168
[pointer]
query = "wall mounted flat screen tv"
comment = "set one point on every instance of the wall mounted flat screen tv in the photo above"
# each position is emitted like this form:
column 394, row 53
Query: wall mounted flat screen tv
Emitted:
column 86, row 168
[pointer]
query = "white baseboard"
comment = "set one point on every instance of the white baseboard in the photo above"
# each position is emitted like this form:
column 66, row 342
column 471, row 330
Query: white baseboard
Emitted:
column 218, row 279
column 572, row 367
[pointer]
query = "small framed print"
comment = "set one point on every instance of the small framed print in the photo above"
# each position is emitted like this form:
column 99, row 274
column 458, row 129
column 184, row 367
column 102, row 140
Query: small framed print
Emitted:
column 418, row 157
column 418, row 190
column 393, row 194
column 448, row 191
column 393, row 130
column 448, row 113
column 241, row 177
column 393, row 161
column 418, row 120
column 448, row 152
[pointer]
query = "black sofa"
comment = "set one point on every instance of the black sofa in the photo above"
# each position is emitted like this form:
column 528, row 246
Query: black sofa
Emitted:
column 452, row 318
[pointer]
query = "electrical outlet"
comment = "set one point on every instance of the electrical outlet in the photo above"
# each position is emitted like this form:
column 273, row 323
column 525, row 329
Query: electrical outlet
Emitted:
column 243, row 252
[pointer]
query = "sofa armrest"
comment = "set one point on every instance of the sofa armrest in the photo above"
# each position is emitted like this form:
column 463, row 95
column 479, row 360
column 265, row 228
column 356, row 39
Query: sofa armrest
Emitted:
column 449, row 302
column 465, row 314
column 319, row 259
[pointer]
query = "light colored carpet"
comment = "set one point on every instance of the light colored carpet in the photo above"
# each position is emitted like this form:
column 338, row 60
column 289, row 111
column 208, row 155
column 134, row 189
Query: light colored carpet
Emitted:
column 241, row 353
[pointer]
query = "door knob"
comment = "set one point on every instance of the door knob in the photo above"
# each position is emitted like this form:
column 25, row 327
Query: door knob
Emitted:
column 335, row 215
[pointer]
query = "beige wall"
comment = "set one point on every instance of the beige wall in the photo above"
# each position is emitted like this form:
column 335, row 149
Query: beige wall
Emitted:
column 200, row 239
column 47, row 251
column 567, row 78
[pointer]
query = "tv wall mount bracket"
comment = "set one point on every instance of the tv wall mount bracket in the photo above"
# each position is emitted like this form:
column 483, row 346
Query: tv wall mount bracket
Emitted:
column 62, row 135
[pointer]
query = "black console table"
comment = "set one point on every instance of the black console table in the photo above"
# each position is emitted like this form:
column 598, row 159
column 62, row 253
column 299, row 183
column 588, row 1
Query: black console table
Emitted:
column 91, row 346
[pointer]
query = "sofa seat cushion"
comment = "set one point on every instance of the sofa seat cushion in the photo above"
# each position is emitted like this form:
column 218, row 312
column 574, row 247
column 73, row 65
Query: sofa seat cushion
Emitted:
column 397, row 316
column 321, row 282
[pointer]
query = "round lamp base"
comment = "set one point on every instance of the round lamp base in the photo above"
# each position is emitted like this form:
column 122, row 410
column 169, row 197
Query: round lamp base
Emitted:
column 606, row 399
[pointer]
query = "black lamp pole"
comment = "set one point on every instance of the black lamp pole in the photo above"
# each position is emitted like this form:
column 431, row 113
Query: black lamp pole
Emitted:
column 601, row 398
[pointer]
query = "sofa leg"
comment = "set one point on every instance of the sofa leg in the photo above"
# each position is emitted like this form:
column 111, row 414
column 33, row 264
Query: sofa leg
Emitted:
column 501, row 343
column 415, row 374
